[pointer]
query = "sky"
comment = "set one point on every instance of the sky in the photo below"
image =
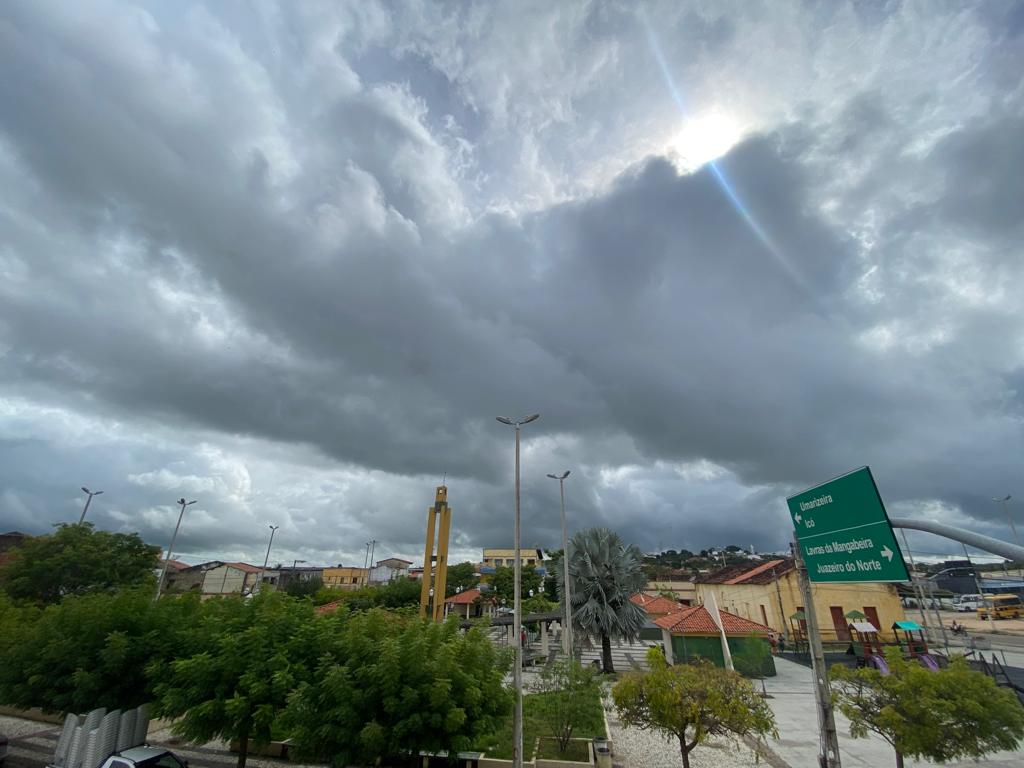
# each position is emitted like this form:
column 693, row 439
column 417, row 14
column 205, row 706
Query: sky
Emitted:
column 291, row 260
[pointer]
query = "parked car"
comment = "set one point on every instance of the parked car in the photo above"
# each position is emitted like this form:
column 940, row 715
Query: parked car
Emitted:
column 1001, row 607
column 967, row 603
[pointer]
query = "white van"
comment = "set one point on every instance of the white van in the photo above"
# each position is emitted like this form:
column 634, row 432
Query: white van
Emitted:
column 967, row 603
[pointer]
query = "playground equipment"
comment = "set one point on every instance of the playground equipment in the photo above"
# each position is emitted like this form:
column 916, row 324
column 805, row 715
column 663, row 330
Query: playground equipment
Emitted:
column 867, row 646
column 914, row 643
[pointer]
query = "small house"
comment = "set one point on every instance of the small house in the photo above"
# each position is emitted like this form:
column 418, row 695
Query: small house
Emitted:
column 692, row 634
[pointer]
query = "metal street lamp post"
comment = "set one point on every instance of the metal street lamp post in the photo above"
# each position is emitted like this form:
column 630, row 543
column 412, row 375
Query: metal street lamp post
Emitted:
column 90, row 494
column 1005, row 501
column 170, row 549
column 273, row 530
column 567, row 629
column 517, row 607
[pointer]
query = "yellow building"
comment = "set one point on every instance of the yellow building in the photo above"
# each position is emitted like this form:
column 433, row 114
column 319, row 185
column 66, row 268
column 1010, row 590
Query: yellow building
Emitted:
column 768, row 592
column 499, row 558
column 346, row 577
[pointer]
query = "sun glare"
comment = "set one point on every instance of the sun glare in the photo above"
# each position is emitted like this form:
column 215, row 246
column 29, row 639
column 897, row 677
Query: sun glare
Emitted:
column 702, row 139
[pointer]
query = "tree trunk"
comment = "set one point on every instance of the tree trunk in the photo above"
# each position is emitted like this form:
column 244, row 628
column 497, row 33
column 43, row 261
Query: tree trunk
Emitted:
column 684, row 752
column 606, row 654
column 243, row 745
column 899, row 759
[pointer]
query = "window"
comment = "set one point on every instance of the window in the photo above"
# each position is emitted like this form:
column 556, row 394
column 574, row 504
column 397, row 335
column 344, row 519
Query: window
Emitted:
column 764, row 614
column 166, row 760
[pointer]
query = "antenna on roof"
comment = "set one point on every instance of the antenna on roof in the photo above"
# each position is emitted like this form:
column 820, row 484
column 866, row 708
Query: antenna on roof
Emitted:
column 444, row 477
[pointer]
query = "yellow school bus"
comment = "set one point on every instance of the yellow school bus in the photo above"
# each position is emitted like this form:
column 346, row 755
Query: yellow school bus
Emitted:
column 1002, row 607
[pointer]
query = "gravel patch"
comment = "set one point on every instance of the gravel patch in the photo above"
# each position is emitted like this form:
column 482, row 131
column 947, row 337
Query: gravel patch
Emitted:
column 646, row 749
column 634, row 748
column 16, row 727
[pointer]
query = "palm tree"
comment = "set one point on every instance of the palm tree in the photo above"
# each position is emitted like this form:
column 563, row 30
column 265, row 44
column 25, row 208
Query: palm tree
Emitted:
column 603, row 573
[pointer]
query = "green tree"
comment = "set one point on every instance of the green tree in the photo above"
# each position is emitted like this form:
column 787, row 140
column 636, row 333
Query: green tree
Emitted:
column 691, row 702
column 941, row 716
column 567, row 691
column 304, row 587
column 604, row 574
column 392, row 685
column 461, row 577
column 755, row 661
column 91, row 650
column 503, row 582
column 538, row 604
column 74, row 560
column 403, row 592
column 249, row 656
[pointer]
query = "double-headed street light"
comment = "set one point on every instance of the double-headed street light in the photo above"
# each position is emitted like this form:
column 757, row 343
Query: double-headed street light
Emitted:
column 517, row 607
column 88, row 501
column 170, row 549
column 567, row 629
column 1005, row 501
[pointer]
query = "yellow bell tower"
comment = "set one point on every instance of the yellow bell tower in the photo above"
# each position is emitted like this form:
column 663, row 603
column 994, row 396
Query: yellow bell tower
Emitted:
column 435, row 568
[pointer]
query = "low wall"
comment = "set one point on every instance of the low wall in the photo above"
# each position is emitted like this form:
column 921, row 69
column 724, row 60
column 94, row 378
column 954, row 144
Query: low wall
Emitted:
column 538, row 762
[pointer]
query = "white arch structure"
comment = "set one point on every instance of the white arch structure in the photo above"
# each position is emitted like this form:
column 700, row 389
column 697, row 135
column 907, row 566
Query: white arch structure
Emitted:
column 977, row 540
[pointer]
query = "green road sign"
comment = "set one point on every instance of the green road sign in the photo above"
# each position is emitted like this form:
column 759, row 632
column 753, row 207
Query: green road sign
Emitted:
column 844, row 532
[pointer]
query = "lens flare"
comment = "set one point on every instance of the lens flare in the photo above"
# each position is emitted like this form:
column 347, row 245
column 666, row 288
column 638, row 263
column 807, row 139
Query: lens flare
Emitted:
column 716, row 170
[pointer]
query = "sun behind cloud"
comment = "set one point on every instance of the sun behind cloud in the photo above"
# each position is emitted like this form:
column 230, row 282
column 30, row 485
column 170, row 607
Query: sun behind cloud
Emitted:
column 703, row 138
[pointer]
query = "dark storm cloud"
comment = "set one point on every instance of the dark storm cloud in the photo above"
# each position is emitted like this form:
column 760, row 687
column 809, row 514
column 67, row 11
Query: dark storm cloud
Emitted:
column 266, row 258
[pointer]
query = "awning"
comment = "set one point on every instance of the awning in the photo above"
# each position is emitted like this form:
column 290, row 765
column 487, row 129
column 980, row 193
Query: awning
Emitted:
column 911, row 626
column 864, row 627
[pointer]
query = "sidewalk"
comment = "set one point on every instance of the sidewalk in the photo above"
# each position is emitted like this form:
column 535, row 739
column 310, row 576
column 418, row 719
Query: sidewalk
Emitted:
column 793, row 704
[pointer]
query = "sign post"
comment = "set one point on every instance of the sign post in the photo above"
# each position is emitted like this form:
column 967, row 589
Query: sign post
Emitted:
column 828, row 738
column 843, row 534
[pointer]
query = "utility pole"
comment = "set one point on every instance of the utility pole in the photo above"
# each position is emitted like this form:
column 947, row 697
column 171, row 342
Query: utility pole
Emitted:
column 1005, row 501
column 170, row 549
column 567, row 629
column 259, row 583
column 828, row 756
column 373, row 548
column 977, row 584
column 517, row 606
column 918, row 590
column 88, row 501
column 782, row 612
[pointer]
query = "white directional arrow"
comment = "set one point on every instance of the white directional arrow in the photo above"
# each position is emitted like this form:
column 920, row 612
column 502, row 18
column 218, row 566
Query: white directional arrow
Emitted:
column 887, row 553
column 797, row 517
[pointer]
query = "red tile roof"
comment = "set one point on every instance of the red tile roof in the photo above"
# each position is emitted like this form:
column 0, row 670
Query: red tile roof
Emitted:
column 658, row 605
column 697, row 620
column 320, row 610
column 244, row 567
column 749, row 573
column 175, row 564
column 464, row 598
column 640, row 598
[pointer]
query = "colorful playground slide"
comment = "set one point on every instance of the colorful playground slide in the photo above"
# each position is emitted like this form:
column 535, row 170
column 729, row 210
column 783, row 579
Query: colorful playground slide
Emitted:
column 879, row 663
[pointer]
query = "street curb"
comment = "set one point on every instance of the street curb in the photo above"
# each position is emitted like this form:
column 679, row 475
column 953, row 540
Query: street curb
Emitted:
column 764, row 750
